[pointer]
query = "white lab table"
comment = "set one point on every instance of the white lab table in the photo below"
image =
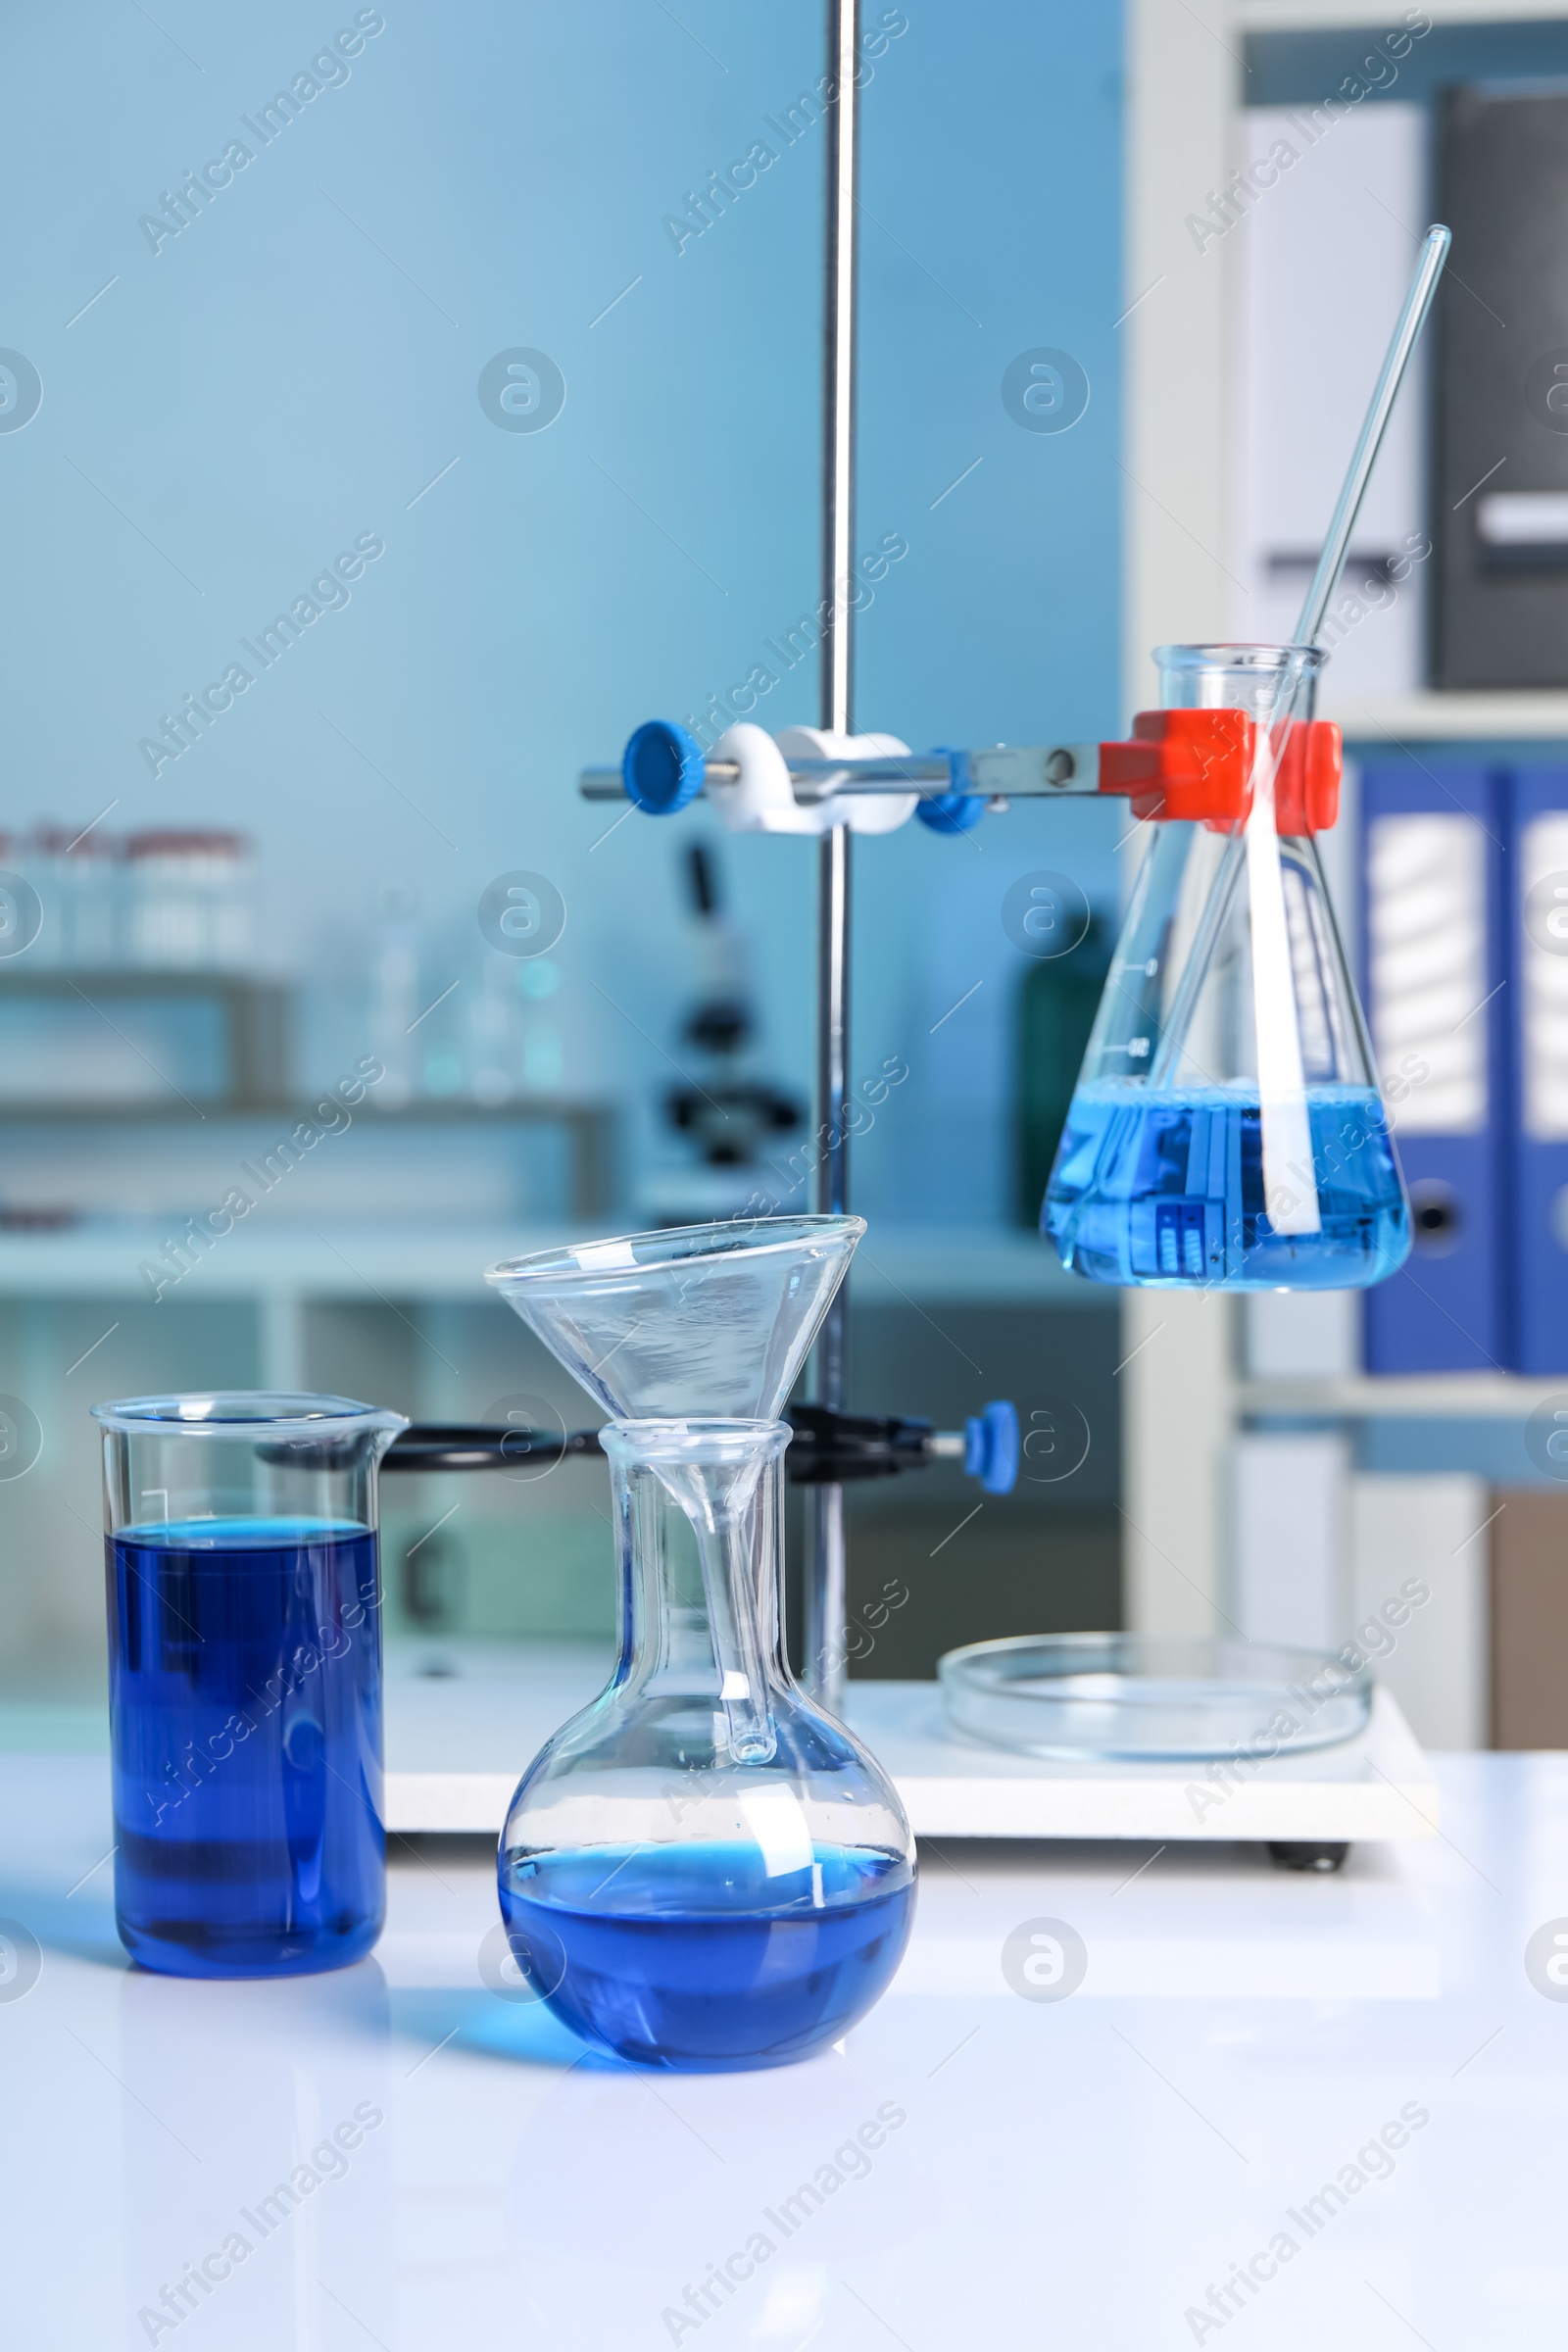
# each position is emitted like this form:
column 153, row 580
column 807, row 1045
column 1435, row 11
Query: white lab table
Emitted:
column 1075, row 2172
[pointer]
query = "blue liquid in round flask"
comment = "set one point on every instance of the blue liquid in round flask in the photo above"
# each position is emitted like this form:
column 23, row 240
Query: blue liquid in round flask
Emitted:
column 703, row 1869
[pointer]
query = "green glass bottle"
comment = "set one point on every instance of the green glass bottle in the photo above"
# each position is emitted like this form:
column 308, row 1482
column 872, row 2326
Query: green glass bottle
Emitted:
column 1057, row 999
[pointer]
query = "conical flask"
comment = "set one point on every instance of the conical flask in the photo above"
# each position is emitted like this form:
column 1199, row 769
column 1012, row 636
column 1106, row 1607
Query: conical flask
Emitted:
column 1227, row 1131
column 702, row 1869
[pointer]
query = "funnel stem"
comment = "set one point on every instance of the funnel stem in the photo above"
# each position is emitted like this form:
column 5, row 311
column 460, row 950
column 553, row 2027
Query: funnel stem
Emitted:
column 725, row 1480
column 725, row 1549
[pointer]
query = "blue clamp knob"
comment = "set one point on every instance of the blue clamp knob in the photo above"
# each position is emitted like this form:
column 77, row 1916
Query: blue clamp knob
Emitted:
column 662, row 768
column 991, row 1449
column 954, row 811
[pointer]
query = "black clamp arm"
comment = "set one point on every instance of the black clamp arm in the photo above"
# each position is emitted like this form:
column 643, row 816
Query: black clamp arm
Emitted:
column 473, row 1446
column 834, row 1449
column 828, row 1447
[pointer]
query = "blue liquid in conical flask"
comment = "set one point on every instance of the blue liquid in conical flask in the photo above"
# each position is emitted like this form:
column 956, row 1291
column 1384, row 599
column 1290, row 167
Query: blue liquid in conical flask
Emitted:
column 692, row 1957
column 1167, row 1190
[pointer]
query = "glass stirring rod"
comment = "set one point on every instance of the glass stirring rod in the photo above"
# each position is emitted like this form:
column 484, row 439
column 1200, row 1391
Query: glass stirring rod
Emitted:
column 1417, row 302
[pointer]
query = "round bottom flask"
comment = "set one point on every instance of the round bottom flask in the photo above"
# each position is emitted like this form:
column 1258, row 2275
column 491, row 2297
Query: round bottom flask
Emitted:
column 703, row 1870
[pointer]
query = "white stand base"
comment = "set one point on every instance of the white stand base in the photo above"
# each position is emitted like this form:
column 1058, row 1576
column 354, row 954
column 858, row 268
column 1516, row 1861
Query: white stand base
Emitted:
column 1375, row 1787
column 458, row 1743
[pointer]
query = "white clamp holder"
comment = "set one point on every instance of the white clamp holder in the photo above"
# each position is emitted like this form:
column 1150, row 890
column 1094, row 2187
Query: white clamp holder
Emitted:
column 762, row 798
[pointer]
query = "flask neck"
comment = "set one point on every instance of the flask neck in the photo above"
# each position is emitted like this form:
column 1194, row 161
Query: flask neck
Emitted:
column 700, row 1543
column 1272, row 683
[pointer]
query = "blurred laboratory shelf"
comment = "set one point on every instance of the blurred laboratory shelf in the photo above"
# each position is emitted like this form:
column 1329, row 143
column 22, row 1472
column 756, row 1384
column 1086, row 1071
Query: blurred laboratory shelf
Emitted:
column 66, row 1162
column 464, row 1718
column 53, row 1035
column 536, row 1110
column 1325, row 16
column 1438, row 1395
column 1430, row 717
column 1350, row 2086
column 434, row 1257
column 440, row 1258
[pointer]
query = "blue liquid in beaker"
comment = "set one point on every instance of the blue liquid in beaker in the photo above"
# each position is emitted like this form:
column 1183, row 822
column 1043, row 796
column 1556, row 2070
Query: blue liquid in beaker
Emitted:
column 245, row 1690
column 1168, row 1190
column 690, row 1956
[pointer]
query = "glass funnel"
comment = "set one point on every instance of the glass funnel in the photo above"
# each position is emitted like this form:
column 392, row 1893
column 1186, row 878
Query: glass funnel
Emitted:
column 702, row 1869
column 1227, row 1131
column 713, row 1322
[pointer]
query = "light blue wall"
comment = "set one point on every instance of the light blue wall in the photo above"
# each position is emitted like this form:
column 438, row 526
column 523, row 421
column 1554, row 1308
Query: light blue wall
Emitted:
column 299, row 363
column 995, row 164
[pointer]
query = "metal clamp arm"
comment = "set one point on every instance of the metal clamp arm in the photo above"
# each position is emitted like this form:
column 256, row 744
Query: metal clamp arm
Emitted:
column 663, row 769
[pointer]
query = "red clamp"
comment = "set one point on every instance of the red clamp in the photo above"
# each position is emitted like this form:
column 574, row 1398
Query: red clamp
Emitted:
column 1198, row 765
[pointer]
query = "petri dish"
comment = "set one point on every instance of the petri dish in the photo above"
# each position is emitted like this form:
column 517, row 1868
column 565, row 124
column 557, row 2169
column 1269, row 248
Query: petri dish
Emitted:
column 1146, row 1698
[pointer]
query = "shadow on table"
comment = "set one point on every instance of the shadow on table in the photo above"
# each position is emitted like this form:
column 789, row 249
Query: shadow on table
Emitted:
column 81, row 1927
column 430, row 2019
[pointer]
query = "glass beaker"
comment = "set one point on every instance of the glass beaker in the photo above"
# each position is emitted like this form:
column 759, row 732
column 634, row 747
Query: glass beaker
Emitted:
column 245, row 1680
column 703, row 1869
column 1227, row 1130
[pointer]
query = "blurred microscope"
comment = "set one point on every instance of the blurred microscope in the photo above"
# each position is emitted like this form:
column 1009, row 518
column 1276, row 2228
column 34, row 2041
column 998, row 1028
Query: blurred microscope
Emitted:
column 726, row 1113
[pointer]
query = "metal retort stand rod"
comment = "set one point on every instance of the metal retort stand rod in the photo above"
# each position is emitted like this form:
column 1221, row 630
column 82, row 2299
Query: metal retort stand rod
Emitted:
column 825, row 1585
